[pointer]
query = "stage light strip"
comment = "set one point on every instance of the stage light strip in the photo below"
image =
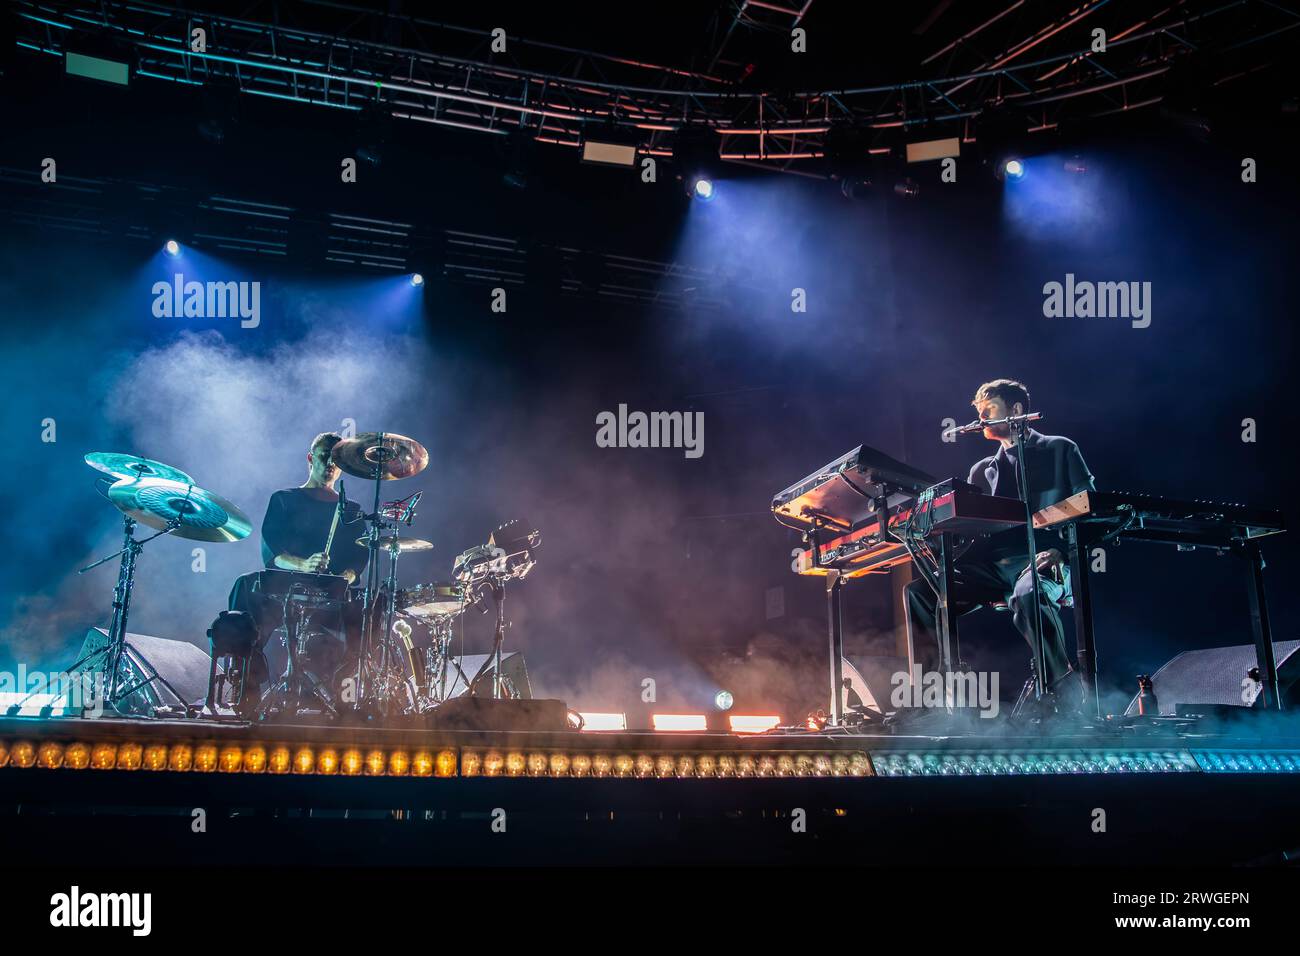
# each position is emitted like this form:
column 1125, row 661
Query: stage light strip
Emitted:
column 1264, row 761
column 663, row 765
column 680, row 723
column 596, row 721
column 304, row 759
column 1010, row 763
column 308, row 760
column 744, row 724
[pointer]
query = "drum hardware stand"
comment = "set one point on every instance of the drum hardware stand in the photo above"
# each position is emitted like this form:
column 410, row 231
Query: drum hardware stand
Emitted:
column 390, row 587
column 382, row 455
column 292, row 681
column 497, row 585
column 112, row 649
column 217, row 681
column 444, row 669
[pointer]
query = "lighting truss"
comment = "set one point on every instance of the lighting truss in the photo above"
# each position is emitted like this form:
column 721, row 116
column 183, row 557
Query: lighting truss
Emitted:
column 1028, row 57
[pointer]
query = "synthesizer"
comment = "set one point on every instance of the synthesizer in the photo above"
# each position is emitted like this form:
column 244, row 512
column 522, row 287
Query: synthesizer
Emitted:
column 953, row 508
column 845, row 492
column 1209, row 524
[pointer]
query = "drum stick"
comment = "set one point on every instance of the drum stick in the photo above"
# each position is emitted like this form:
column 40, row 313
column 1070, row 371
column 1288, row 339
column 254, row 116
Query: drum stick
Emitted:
column 329, row 542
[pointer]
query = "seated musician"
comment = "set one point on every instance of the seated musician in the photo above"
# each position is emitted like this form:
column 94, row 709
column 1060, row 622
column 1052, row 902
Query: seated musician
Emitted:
column 995, row 569
column 297, row 522
column 294, row 533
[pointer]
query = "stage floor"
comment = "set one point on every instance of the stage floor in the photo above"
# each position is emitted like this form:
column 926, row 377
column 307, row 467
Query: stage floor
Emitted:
column 1165, row 794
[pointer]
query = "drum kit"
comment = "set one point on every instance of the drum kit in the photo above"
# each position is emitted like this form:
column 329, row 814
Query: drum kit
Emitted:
column 405, row 664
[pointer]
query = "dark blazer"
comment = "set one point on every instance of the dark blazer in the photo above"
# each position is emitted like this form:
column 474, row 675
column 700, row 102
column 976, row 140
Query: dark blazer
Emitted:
column 1055, row 469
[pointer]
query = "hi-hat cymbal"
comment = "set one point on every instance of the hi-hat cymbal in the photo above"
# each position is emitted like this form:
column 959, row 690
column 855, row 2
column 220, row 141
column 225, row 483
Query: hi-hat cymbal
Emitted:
column 403, row 544
column 396, row 456
column 157, row 502
column 131, row 466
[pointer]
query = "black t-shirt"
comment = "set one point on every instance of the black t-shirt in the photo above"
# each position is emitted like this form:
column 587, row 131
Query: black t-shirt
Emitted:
column 298, row 521
column 1055, row 469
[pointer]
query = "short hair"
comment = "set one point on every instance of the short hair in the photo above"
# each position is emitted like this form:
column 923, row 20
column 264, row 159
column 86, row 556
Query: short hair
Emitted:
column 326, row 439
column 1007, row 389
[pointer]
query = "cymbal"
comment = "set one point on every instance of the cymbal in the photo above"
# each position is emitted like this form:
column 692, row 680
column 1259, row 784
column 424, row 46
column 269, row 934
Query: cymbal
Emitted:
column 130, row 466
column 203, row 515
column 397, row 455
column 403, row 544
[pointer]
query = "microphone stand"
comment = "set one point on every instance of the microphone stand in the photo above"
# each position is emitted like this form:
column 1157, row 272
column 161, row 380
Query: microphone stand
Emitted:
column 1018, row 424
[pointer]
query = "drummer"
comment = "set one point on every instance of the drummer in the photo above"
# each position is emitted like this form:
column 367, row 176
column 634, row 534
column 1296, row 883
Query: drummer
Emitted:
column 297, row 522
column 294, row 534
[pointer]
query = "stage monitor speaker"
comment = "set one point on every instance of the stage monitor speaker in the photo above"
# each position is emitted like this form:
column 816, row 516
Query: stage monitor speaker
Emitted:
column 1214, row 676
column 513, row 671
column 182, row 667
column 870, row 682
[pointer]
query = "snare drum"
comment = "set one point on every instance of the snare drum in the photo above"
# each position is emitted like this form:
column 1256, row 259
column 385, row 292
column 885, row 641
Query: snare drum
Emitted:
column 431, row 600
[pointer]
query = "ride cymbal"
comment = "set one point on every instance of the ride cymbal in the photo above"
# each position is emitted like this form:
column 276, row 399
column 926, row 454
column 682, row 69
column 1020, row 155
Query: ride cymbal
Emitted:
column 395, row 456
column 202, row 515
column 120, row 466
column 403, row 544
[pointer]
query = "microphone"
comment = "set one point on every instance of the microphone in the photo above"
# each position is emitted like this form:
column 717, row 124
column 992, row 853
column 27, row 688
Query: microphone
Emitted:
column 410, row 508
column 979, row 425
column 975, row 426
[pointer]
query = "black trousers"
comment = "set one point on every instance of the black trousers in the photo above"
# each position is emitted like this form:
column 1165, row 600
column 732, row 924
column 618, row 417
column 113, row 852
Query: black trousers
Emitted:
column 982, row 578
column 329, row 653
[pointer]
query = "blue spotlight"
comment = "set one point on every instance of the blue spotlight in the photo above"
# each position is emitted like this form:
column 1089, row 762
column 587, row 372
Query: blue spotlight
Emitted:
column 417, row 280
column 172, row 248
column 1013, row 169
column 702, row 189
column 723, row 700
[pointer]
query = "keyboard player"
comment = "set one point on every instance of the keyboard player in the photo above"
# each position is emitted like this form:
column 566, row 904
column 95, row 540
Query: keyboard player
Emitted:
column 995, row 569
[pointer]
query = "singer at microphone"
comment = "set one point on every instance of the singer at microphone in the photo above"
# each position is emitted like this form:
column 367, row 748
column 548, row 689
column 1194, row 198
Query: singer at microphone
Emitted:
column 995, row 569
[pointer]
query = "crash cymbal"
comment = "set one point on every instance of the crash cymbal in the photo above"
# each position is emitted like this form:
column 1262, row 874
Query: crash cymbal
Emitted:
column 403, row 544
column 131, row 466
column 396, row 455
column 203, row 516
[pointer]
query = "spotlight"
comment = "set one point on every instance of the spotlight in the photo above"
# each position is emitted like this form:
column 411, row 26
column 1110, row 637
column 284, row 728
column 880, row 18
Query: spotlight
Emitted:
column 1013, row 169
column 723, row 700
column 172, row 248
column 417, row 280
column 907, row 188
column 701, row 188
column 853, row 187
